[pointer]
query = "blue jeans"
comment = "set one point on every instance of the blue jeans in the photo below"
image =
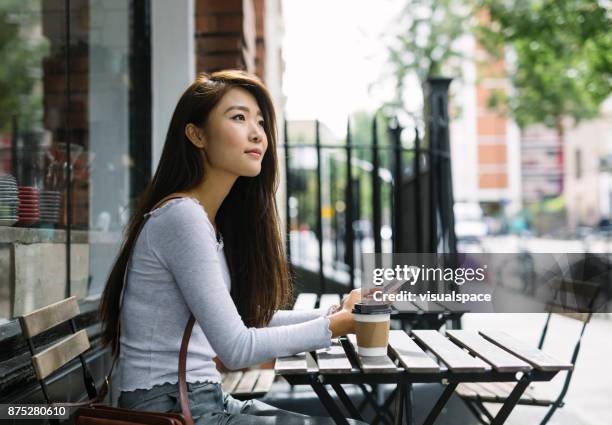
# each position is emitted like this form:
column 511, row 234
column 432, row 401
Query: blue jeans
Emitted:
column 211, row 406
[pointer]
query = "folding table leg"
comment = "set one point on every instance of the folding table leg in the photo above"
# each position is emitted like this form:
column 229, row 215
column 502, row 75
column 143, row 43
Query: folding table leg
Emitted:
column 380, row 410
column 444, row 397
column 475, row 409
column 347, row 402
column 482, row 408
column 399, row 401
column 328, row 401
column 408, row 404
column 385, row 407
column 511, row 401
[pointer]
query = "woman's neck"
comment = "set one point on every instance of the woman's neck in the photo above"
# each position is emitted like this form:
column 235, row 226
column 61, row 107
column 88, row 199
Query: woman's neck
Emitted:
column 212, row 191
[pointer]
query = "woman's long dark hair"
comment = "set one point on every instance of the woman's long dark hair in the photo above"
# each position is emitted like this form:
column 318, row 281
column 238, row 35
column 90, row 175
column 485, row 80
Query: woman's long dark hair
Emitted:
column 247, row 218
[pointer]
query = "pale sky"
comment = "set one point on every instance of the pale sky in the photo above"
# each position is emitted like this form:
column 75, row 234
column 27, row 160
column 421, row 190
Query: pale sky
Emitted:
column 333, row 50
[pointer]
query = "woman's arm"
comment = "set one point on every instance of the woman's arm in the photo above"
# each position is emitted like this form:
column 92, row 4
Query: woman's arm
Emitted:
column 183, row 241
column 290, row 317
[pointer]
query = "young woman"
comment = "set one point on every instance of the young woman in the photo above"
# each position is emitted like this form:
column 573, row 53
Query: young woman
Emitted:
column 215, row 252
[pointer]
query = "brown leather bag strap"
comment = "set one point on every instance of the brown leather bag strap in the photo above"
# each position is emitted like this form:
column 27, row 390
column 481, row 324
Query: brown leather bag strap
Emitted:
column 184, row 343
column 182, row 371
column 182, row 377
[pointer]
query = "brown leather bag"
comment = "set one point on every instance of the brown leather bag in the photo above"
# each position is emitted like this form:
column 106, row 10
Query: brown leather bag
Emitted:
column 96, row 413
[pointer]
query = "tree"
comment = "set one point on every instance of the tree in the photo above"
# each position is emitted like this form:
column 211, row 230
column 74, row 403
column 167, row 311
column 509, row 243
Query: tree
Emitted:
column 21, row 63
column 563, row 58
column 425, row 45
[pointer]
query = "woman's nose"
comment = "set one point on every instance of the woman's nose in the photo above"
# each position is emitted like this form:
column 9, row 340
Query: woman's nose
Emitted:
column 256, row 134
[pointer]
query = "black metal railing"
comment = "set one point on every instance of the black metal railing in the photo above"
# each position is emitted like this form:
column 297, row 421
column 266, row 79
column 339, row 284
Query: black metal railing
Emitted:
column 421, row 201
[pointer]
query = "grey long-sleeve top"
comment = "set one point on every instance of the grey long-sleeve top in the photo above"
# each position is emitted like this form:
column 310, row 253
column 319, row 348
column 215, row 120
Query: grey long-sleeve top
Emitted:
column 178, row 267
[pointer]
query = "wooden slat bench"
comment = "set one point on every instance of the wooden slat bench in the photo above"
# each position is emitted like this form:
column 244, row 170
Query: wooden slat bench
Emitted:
column 252, row 383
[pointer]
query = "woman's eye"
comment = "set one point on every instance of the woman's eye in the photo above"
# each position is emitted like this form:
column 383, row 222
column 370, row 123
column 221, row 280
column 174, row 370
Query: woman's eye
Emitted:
column 261, row 123
column 239, row 117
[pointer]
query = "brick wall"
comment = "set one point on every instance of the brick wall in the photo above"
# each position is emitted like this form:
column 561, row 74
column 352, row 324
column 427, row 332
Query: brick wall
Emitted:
column 492, row 180
column 229, row 34
column 492, row 141
column 490, row 125
column 260, row 46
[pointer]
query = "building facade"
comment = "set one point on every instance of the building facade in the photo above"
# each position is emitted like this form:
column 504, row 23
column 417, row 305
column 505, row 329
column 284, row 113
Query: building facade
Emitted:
column 588, row 170
column 90, row 92
column 485, row 144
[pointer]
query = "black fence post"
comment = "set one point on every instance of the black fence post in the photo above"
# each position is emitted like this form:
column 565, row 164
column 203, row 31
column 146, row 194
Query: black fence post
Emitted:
column 319, row 209
column 349, row 254
column 418, row 208
column 376, row 214
column 398, row 173
column 287, row 191
column 440, row 168
column 68, row 133
column 332, row 208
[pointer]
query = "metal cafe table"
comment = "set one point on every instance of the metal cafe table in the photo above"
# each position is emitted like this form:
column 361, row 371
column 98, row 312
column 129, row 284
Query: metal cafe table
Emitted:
column 450, row 359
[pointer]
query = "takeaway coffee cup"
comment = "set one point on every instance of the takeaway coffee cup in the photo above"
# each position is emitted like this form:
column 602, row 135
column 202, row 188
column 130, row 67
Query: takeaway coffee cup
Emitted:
column 372, row 328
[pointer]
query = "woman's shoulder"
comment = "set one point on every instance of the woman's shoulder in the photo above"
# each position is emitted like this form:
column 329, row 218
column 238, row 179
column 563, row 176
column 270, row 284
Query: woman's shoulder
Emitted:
column 177, row 204
column 179, row 212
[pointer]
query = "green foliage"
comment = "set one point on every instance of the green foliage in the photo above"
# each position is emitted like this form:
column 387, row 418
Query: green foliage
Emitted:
column 361, row 134
column 424, row 45
column 21, row 64
column 361, row 127
column 563, row 59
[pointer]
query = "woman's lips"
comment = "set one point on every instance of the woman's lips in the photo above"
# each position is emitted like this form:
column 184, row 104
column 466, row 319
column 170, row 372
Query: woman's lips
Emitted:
column 254, row 154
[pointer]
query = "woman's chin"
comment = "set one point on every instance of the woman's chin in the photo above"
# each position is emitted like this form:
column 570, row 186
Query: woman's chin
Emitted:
column 252, row 172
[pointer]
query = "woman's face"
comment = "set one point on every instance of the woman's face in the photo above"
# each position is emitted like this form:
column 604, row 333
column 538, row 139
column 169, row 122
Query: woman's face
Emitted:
column 235, row 140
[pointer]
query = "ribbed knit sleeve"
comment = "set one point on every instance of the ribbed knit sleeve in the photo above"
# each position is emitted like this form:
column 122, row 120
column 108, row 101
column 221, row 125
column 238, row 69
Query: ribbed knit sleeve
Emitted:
column 290, row 317
column 183, row 240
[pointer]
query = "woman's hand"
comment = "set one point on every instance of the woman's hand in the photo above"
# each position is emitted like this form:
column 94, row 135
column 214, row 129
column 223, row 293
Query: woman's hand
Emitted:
column 341, row 323
column 351, row 299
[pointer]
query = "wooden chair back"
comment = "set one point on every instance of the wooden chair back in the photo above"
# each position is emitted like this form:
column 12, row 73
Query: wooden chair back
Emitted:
column 575, row 299
column 52, row 358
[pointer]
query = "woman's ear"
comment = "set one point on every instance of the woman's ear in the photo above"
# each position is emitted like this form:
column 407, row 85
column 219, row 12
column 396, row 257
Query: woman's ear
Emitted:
column 195, row 135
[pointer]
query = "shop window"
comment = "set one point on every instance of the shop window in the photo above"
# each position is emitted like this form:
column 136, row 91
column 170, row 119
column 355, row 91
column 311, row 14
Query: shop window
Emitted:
column 70, row 113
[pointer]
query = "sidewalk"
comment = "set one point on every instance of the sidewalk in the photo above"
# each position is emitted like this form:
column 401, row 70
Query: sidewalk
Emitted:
column 588, row 399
